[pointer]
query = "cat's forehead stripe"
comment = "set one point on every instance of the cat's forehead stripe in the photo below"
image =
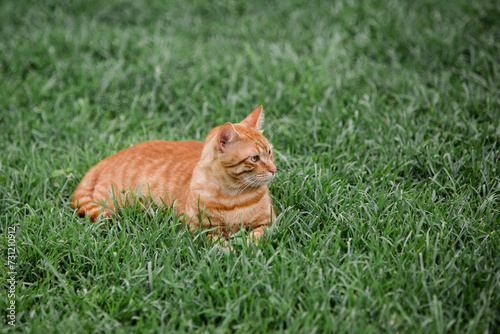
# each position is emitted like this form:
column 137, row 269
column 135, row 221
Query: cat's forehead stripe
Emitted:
column 255, row 137
column 262, row 146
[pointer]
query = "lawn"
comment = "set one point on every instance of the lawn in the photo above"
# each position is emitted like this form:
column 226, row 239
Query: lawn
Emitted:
column 385, row 118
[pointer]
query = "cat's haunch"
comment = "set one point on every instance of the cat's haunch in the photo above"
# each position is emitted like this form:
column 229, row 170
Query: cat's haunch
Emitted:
column 220, row 182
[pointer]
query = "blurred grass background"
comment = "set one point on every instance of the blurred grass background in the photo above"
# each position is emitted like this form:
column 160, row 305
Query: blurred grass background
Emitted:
column 385, row 120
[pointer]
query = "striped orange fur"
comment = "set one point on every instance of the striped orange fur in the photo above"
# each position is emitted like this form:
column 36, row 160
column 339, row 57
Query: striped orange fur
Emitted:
column 220, row 182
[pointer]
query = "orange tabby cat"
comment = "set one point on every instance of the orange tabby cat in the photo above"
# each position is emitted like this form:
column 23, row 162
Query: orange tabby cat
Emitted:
column 222, row 181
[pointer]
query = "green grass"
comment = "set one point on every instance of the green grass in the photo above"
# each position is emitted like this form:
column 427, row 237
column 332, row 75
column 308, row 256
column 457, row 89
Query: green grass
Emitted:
column 385, row 120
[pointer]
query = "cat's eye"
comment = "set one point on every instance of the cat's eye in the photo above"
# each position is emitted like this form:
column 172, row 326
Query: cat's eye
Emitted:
column 254, row 158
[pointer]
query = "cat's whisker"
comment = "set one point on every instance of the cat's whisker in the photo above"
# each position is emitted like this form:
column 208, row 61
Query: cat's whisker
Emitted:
column 248, row 184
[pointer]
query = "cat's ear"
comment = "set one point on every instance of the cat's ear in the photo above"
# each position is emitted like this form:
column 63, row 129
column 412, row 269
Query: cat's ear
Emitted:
column 226, row 136
column 255, row 119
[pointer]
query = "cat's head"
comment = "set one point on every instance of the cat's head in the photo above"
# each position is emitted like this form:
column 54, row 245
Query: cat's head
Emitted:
column 242, row 151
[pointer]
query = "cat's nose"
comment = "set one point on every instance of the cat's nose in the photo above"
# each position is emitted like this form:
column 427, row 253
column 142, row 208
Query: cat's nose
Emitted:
column 272, row 169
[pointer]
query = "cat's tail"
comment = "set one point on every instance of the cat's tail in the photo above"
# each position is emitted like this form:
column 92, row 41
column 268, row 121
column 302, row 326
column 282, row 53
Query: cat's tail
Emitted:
column 83, row 196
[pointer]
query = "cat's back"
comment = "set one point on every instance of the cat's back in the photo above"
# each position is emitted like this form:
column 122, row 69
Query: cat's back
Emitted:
column 164, row 150
column 153, row 161
column 161, row 149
